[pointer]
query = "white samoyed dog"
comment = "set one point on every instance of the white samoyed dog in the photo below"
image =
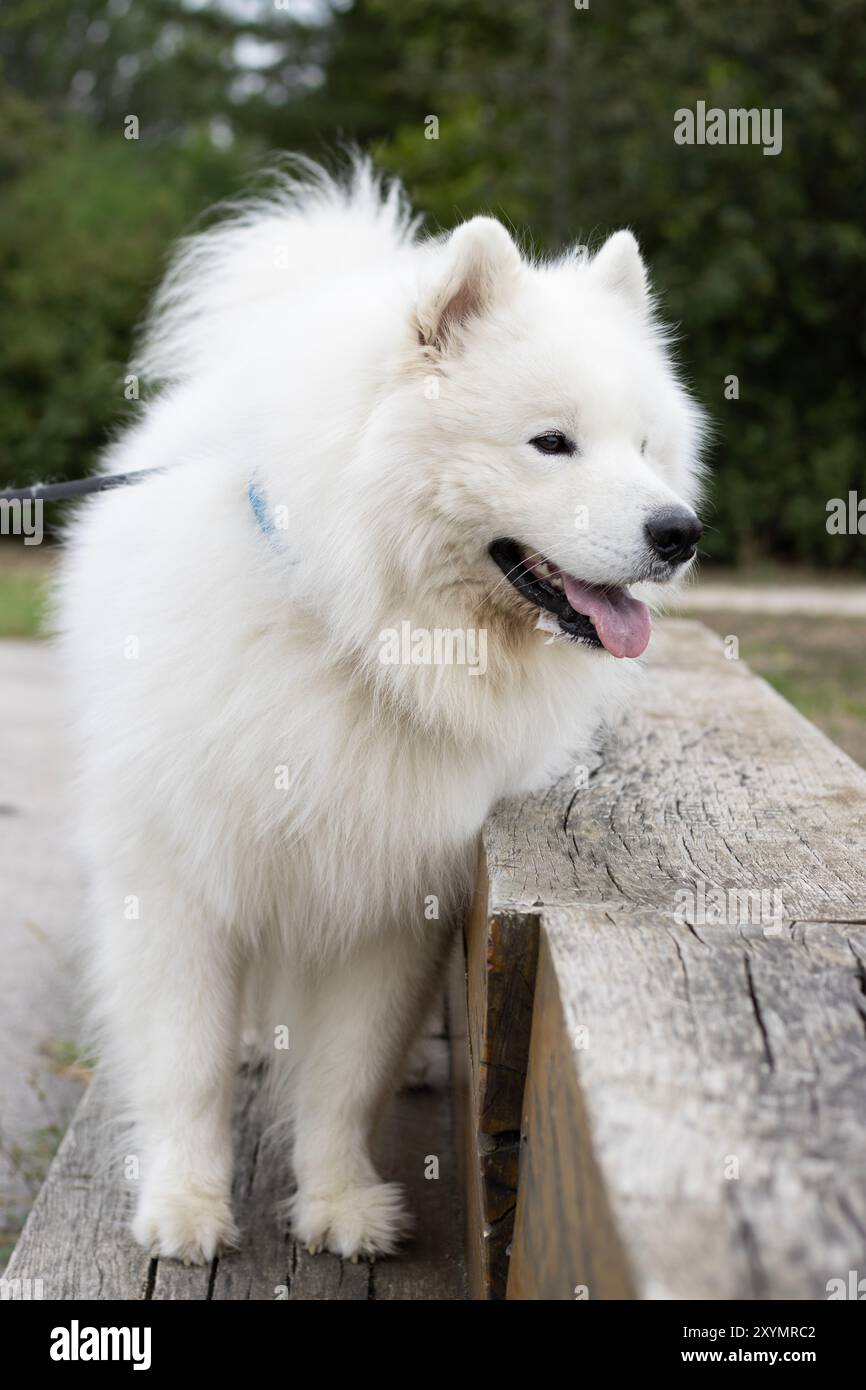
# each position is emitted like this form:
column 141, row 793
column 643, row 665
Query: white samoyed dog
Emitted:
column 380, row 582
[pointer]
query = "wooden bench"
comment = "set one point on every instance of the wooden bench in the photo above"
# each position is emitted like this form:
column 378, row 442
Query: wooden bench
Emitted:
column 649, row 1104
column 655, row 1104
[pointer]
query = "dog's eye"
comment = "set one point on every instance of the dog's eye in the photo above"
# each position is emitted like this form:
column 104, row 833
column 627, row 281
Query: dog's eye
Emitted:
column 553, row 442
column 643, row 445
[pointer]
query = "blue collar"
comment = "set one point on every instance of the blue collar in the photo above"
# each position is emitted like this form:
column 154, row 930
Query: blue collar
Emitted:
column 262, row 514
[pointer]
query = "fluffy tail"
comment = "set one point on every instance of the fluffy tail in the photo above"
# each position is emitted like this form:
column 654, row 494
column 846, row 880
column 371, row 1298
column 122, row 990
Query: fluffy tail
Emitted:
column 262, row 247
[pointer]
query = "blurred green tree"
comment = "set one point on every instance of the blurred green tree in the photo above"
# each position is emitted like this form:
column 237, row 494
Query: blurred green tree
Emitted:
column 558, row 119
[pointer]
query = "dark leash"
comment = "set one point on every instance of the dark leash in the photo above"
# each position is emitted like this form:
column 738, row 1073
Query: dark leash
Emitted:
column 59, row 492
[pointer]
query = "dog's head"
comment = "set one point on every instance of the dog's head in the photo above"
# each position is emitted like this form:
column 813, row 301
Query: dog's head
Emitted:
column 552, row 436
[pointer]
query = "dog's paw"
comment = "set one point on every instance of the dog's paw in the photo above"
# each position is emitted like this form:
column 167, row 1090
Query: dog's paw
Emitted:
column 192, row 1226
column 366, row 1219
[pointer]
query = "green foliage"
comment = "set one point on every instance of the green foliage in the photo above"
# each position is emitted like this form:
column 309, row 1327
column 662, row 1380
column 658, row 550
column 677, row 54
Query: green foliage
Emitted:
column 82, row 240
column 557, row 119
column 23, row 600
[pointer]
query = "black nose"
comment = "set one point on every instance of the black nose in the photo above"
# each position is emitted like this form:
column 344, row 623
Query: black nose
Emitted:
column 673, row 534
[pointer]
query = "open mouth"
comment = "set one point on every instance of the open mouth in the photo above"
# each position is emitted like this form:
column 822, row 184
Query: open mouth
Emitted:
column 599, row 616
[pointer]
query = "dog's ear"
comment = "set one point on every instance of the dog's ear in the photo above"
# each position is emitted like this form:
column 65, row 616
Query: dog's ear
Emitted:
column 619, row 267
column 477, row 269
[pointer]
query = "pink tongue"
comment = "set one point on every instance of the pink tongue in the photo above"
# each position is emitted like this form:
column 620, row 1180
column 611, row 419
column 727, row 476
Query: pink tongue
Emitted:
column 622, row 622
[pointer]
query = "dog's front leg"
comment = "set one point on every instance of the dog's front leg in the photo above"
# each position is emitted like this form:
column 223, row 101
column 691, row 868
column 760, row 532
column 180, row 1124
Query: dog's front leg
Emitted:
column 168, row 986
column 361, row 1020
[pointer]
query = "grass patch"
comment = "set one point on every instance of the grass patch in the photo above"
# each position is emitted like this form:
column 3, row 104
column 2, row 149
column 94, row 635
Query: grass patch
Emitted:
column 23, row 599
column 816, row 662
column 30, row 1156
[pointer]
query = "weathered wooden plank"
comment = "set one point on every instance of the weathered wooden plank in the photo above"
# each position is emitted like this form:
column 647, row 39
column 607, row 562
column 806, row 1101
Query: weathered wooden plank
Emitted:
column 492, row 998
column 75, row 1239
column 501, row 951
column 565, row 1241
column 711, row 777
column 77, row 1242
column 417, row 1148
column 466, row 1127
column 711, row 782
column 694, row 1114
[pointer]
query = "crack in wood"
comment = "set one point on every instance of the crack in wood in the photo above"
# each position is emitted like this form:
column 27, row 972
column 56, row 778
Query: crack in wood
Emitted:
column 759, row 1017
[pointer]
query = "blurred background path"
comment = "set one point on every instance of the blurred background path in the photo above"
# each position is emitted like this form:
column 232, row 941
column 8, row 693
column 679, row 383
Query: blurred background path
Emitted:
column 831, row 600
column 41, row 1073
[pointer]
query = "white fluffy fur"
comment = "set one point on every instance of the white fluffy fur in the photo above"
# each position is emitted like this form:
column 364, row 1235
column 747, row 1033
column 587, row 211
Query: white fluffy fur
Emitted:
column 296, row 345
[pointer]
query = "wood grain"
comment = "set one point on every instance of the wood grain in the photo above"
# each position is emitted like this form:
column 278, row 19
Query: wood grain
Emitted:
column 709, row 1139
column 711, row 776
column 712, row 1112
column 566, row 1242
column 491, row 997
